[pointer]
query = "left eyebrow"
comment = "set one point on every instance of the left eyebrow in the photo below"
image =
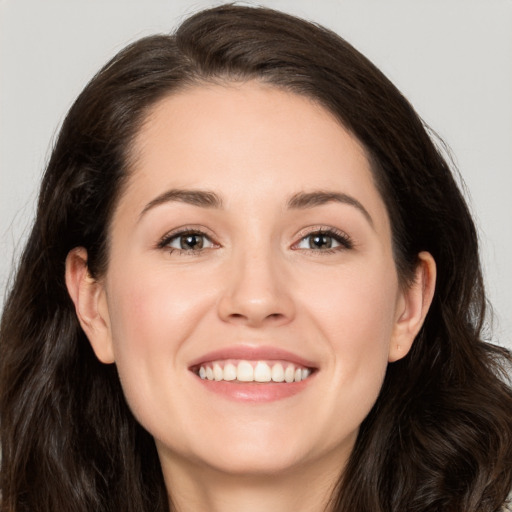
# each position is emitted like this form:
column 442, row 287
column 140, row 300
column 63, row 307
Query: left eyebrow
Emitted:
column 305, row 200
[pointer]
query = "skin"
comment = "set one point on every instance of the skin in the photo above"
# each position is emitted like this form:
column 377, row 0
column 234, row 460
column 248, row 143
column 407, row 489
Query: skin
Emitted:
column 257, row 281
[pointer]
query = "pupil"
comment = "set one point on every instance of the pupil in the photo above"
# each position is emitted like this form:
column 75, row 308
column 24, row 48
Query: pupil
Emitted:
column 191, row 242
column 321, row 241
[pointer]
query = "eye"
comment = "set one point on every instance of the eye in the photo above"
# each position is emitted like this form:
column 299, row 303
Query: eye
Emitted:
column 186, row 241
column 324, row 240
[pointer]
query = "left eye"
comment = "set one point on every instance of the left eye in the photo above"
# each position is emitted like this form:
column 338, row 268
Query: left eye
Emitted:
column 189, row 242
column 322, row 241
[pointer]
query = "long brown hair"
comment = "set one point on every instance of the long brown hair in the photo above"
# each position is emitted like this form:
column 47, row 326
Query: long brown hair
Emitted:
column 440, row 434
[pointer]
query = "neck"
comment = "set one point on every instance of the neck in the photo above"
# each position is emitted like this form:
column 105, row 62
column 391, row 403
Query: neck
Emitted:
column 195, row 488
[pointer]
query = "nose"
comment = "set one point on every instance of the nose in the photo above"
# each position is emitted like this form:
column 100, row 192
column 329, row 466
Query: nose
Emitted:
column 256, row 292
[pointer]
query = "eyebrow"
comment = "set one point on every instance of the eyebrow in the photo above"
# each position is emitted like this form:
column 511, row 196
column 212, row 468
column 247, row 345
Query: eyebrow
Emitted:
column 305, row 200
column 202, row 198
column 299, row 201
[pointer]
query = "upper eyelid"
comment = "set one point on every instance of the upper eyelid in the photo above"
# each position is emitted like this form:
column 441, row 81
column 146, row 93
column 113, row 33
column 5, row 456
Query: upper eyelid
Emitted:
column 183, row 230
column 304, row 232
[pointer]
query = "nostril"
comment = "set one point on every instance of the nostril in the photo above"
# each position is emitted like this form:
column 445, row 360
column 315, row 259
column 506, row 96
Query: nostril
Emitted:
column 246, row 309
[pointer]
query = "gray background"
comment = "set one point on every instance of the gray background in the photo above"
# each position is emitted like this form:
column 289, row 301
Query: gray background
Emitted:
column 451, row 58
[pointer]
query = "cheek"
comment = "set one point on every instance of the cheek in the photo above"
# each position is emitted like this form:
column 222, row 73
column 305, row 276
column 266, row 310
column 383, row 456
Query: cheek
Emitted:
column 356, row 305
column 154, row 307
column 365, row 333
column 356, row 318
column 152, row 314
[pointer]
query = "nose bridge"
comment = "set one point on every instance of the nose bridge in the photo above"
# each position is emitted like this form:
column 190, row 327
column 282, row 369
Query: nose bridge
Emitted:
column 255, row 291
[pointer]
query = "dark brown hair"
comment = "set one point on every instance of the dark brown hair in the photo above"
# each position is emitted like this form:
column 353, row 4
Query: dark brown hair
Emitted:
column 440, row 434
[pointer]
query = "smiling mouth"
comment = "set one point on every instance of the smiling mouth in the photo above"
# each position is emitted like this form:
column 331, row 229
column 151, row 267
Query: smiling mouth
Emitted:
column 245, row 371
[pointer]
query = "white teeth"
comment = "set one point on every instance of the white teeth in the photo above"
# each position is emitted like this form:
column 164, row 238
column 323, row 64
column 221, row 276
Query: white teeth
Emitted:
column 277, row 373
column 218, row 374
column 262, row 372
column 230, row 372
column 289, row 374
column 253, row 371
column 245, row 372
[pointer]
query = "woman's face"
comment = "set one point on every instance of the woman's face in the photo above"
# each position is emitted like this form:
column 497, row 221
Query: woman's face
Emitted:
column 250, row 243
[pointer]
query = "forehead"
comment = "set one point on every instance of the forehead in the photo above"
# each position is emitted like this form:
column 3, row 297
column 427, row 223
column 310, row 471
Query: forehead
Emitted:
column 246, row 135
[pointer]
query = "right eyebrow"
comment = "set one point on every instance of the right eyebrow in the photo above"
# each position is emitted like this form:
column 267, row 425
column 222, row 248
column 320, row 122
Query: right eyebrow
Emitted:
column 203, row 198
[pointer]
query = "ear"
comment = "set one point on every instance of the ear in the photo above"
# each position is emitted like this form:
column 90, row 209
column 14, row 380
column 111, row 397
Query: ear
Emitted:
column 90, row 301
column 412, row 307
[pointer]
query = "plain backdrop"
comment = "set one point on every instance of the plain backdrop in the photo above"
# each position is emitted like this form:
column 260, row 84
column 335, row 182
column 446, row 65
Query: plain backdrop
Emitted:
column 451, row 58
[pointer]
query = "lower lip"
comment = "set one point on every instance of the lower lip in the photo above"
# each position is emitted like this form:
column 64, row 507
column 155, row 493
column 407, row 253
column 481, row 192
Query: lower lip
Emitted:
column 255, row 391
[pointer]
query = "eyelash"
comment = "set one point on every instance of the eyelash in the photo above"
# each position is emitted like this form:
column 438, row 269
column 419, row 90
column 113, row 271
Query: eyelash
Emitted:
column 170, row 237
column 344, row 241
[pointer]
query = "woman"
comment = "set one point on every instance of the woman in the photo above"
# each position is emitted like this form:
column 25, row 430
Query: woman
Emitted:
column 252, row 284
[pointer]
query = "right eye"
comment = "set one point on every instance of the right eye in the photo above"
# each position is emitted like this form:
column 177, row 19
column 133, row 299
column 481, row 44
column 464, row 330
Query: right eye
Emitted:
column 187, row 242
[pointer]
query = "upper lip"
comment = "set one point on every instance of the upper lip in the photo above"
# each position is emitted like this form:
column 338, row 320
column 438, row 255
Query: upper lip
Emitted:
column 252, row 353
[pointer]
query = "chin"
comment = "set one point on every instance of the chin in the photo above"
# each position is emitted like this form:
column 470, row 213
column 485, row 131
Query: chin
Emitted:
column 238, row 461
column 243, row 453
